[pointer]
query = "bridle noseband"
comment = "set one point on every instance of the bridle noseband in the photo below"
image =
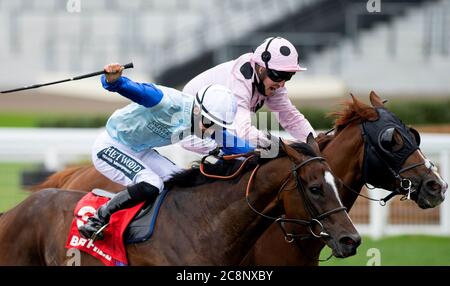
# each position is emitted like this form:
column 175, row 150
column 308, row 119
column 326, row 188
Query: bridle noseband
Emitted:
column 405, row 186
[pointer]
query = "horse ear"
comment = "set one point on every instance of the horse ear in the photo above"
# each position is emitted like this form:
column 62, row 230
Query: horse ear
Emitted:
column 364, row 110
column 355, row 101
column 358, row 105
column 291, row 152
column 375, row 100
column 312, row 143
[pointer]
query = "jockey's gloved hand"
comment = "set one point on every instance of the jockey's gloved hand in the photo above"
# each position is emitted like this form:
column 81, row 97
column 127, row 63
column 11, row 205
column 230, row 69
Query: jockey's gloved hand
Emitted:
column 113, row 72
column 271, row 149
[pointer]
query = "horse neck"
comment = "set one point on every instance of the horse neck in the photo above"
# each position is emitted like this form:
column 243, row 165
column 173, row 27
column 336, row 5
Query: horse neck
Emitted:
column 344, row 155
column 218, row 214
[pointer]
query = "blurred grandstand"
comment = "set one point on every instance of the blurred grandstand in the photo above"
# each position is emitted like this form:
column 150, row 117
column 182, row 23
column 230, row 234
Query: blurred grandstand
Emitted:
column 403, row 50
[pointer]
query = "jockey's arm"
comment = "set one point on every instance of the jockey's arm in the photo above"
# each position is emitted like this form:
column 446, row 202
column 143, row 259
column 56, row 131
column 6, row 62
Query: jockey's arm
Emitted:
column 227, row 142
column 232, row 144
column 245, row 129
column 145, row 94
column 290, row 117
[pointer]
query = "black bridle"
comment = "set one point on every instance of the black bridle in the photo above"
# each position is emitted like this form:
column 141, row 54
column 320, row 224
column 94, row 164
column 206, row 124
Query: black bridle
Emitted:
column 404, row 185
column 379, row 163
column 315, row 216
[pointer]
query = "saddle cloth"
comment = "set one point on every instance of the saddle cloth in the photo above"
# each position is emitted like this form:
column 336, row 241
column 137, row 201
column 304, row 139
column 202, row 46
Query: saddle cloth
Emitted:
column 122, row 229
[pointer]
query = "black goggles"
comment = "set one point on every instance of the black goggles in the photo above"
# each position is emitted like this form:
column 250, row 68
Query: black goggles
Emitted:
column 279, row 76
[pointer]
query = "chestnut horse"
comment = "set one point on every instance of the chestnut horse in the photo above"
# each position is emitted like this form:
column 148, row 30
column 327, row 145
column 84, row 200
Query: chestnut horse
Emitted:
column 345, row 152
column 395, row 164
column 203, row 221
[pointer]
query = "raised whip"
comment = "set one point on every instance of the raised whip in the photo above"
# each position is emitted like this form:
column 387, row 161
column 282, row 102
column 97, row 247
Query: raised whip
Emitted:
column 127, row 66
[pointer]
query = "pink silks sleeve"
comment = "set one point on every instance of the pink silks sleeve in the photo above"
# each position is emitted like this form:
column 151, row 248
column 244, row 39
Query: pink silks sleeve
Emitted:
column 289, row 116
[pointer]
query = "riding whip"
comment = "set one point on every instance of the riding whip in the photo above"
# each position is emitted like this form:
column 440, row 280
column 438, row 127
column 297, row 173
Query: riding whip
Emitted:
column 127, row 66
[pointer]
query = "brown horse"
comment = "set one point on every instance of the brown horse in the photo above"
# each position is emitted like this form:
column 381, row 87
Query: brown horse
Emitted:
column 345, row 152
column 354, row 159
column 203, row 221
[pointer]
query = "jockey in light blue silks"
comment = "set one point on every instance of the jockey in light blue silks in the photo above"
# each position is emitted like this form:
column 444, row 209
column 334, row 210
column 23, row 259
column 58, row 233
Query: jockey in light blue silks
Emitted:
column 159, row 116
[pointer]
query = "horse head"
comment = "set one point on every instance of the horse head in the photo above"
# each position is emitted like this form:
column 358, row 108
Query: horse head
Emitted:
column 369, row 145
column 312, row 186
column 391, row 157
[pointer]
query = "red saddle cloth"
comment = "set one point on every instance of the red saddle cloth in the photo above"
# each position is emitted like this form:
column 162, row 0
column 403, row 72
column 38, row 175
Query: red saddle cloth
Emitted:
column 111, row 249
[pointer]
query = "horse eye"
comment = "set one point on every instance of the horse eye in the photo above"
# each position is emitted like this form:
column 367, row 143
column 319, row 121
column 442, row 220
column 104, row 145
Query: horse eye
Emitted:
column 314, row 189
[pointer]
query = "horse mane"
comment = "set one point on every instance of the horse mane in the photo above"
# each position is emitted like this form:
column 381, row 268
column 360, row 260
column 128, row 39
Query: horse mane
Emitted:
column 58, row 179
column 323, row 139
column 353, row 111
column 192, row 177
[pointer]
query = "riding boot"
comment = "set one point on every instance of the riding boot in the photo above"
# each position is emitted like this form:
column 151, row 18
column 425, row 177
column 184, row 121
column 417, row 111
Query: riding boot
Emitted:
column 127, row 198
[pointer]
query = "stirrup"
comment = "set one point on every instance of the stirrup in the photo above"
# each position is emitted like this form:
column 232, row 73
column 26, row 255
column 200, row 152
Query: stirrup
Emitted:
column 99, row 233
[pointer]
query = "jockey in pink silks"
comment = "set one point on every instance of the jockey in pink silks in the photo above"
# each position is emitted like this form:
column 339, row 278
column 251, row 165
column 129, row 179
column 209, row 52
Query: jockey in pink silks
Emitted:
column 256, row 79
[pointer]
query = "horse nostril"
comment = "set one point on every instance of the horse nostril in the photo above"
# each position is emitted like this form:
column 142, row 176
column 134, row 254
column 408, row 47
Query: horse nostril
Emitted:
column 346, row 240
column 434, row 185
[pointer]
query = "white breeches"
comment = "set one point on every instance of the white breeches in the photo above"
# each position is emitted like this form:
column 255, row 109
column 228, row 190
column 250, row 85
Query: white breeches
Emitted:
column 124, row 166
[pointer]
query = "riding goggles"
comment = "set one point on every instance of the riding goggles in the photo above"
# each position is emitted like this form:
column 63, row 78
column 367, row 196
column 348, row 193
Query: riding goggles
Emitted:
column 279, row 76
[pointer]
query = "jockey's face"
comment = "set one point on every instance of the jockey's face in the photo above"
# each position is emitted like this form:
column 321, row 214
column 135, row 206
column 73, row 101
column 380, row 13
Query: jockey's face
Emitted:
column 202, row 129
column 270, row 86
column 206, row 131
